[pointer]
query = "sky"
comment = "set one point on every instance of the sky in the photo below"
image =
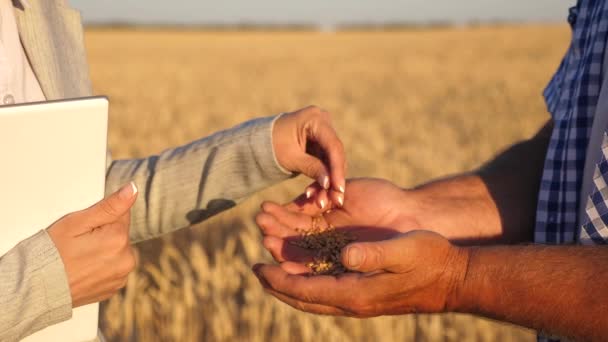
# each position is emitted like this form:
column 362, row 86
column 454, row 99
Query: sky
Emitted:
column 321, row 12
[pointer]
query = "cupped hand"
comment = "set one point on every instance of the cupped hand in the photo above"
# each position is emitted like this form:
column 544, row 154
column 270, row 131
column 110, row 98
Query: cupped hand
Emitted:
column 415, row 272
column 305, row 142
column 373, row 210
column 94, row 246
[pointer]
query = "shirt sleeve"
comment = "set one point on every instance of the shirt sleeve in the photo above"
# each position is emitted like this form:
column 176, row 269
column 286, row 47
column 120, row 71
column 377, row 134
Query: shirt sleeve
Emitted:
column 188, row 184
column 34, row 290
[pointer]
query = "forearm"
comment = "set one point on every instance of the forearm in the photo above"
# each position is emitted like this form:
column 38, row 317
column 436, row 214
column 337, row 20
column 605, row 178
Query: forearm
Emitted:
column 188, row 184
column 34, row 290
column 558, row 290
column 496, row 203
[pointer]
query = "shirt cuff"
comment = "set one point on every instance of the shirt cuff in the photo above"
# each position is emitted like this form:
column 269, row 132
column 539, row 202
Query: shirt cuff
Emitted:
column 263, row 150
column 52, row 277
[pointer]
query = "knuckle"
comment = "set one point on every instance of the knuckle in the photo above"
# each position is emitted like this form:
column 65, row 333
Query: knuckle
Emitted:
column 261, row 221
column 130, row 261
column 125, row 266
column 121, row 240
column 266, row 206
column 378, row 256
column 117, row 241
column 316, row 111
column 108, row 208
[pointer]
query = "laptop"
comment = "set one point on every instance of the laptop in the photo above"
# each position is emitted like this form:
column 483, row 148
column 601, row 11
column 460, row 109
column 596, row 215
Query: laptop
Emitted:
column 53, row 157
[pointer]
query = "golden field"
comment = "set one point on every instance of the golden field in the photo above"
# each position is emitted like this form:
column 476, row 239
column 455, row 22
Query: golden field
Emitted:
column 409, row 105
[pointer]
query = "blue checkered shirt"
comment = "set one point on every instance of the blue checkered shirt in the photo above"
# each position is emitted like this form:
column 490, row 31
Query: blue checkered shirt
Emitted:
column 571, row 97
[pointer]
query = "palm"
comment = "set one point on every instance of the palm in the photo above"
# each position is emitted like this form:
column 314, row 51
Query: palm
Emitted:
column 371, row 212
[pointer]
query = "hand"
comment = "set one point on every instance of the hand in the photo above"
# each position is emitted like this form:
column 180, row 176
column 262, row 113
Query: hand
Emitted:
column 374, row 210
column 94, row 246
column 415, row 272
column 305, row 141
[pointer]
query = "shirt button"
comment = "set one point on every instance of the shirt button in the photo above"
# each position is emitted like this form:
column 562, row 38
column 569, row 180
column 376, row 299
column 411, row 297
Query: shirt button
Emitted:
column 8, row 99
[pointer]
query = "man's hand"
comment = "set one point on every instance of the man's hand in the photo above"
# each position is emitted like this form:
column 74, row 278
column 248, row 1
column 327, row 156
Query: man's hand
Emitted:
column 94, row 246
column 305, row 142
column 374, row 210
column 415, row 272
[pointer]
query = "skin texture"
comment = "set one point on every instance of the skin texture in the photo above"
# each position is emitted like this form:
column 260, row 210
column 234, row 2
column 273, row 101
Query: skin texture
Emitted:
column 94, row 243
column 456, row 264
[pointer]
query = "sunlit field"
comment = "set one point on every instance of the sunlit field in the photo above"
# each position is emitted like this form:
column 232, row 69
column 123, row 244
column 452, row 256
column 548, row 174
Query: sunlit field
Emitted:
column 409, row 105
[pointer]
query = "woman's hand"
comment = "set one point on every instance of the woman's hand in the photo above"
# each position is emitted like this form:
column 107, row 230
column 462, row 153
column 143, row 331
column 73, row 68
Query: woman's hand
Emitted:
column 305, row 141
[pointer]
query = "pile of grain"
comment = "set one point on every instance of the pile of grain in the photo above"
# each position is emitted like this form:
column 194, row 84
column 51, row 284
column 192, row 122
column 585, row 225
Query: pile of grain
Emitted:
column 327, row 244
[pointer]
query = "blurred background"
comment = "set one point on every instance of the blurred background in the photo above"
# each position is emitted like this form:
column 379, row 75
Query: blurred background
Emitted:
column 417, row 90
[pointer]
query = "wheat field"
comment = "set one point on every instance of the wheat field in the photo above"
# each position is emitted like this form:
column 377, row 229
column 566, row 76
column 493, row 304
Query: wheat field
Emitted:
column 410, row 105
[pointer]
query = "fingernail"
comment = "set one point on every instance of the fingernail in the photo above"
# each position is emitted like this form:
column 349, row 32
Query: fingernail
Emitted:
column 322, row 203
column 340, row 200
column 325, row 182
column 128, row 191
column 308, row 193
column 341, row 188
column 355, row 256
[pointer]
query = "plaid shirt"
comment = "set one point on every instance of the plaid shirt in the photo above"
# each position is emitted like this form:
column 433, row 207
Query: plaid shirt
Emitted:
column 571, row 97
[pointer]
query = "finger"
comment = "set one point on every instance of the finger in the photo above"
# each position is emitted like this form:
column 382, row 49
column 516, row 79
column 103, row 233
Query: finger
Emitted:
column 325, row 290
column 314, row 168
column 271, row 226
column 322, row 200
column 286, row 250
column 375, row 256
column 122, row 224
column 305, row 205
column 306, row 307
column 336, row 197
column 310, row 191
column 296, row 221
column 111, row 208
column 295, row 268
column 325, row 135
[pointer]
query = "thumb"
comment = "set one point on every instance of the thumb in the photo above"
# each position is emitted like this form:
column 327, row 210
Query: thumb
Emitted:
column 315, row 169
column 113, row 207
column 372, row 256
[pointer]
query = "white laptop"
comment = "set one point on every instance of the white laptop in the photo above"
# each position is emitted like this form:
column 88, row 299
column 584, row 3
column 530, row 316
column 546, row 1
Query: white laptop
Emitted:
column 53, row 157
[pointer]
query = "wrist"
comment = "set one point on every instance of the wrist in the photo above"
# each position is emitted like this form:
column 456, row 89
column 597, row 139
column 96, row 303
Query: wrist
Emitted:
column 276, row 143
column 461, row 295
column 460, row 208
column 477, row 287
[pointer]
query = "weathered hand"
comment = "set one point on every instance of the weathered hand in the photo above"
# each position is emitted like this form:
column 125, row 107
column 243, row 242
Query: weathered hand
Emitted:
column 305, row 141
column 374, row 210
column 415, row 272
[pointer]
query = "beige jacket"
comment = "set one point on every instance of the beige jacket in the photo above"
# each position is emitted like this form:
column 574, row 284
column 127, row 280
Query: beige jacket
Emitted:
column 178, row 187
